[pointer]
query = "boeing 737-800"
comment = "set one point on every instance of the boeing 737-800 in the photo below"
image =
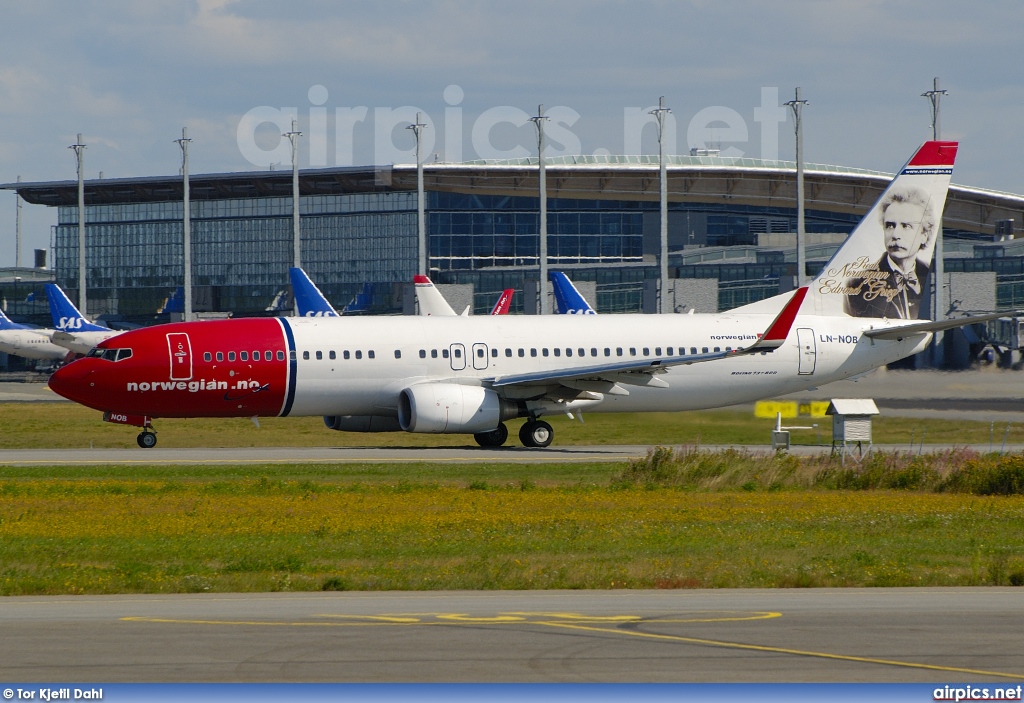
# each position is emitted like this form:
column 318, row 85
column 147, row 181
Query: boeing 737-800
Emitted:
column 455, row 374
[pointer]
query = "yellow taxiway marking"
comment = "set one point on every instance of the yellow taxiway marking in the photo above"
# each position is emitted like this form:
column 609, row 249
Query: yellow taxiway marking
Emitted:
column 783, row 650
column 581, row 622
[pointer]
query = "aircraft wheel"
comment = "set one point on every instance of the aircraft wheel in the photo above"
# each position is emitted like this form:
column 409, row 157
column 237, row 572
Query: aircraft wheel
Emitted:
column 494, row 438
column 536, row 433
column 146, row 440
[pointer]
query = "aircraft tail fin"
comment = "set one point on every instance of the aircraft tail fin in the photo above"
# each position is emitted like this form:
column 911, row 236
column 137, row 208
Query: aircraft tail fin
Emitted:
column 66, row 316
column 568, row 299
column 309, row 301
column 881, row 269
column 7, row 324
column 504, row 302
column 430, row 299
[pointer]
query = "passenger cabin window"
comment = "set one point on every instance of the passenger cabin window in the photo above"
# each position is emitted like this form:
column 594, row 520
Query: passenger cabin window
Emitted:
column 244, row 356
column 220, row 356
column 332, row 355
column 458, row 353
column 444, row 353
column 558, row 352
column 231, row 356
column 533, row 352
column 668, row 351
column 703, row 350
column 207, row 356
column 693, row 350
column 359, row 354
column 718, row 349
column 433, row 353
column 280, row 356
column 544, row 351
column 522, row 352
column 618, row 351
column 398, row 353
column 319, row 355
column 593, row 351
column 607, row 351
column 647, row 351
column 494, row 352
column 508, row 352
column 423, row 353
column 657, row 351
column 480, row 353
column 345, row 354
column 632, row 351
column 305, row 356
column 568, row 352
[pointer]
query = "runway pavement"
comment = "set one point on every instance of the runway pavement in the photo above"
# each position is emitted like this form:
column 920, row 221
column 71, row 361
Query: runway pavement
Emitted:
column 807, row 635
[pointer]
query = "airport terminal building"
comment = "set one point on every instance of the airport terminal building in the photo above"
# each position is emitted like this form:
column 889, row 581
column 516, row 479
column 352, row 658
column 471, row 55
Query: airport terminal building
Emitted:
column 731, row 233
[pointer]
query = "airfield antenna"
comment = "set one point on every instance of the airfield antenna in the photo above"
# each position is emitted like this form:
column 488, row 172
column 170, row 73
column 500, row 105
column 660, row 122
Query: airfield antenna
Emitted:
column 545, row 304
column 187, row 223
column 421, row 219
column 934, row 97
column 79, row 149
column 797, row 105
column 660, row 114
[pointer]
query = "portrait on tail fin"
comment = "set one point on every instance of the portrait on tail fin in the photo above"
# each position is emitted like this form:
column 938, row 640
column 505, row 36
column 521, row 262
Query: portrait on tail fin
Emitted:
column 892, row 286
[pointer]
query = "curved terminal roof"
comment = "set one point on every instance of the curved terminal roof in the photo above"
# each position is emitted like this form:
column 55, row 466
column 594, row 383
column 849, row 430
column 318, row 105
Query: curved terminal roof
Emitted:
column 693, row 179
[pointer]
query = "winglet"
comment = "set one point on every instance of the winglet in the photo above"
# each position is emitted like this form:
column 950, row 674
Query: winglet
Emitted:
column 777, row 332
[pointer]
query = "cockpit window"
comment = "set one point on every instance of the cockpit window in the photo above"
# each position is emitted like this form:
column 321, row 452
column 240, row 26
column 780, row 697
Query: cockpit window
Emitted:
column 110, row 354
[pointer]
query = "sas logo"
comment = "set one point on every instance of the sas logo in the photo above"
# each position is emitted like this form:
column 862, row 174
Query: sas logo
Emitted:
column 318, row 313
column 70, row 323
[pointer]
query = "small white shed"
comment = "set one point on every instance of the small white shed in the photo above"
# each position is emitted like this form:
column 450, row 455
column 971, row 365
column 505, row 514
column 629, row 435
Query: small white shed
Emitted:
column 851, row 421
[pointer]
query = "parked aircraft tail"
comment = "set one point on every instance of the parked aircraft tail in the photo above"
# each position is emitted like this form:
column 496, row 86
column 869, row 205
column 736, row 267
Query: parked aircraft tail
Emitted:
column 568, row 300
column 66, row 316
column 308, row 298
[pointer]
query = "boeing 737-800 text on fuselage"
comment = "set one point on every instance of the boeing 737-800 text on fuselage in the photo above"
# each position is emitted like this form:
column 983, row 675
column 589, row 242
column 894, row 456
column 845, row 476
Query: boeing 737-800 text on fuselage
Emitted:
column 456, row 374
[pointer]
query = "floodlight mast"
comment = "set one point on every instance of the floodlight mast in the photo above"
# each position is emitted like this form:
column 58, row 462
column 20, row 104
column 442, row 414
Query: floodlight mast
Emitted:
column 797, row 105
column 17, row 227
column 79, row 149
column 660, row 113
column 545, row 304
column 421, row 219
column 934, row 97
column 293, row 137
column 186, row 224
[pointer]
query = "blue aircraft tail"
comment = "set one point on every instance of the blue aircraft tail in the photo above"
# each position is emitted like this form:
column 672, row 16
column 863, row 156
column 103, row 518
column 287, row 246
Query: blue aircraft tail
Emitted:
column 65, row 315
column 567, row 299
column 6, row 324
column 175, row 302
column 361, row 303
column 309, row 301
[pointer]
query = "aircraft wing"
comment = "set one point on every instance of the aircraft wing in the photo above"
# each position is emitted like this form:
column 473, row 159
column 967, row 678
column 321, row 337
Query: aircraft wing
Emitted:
column 903, row 331
column 640, row 372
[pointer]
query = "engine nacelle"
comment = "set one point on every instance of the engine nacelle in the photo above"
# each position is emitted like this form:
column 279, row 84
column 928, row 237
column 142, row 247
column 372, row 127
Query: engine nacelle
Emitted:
column 449, row 407
column 362, row 423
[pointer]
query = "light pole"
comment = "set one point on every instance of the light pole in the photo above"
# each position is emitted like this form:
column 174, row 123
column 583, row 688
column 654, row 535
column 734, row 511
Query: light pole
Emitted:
column 79, row 149
column 17, row 227
column 797, row 105
column 660, row 114
column 934, row 96
column 421, row 219
column 545, row 305
column 293, row 137
column 186, row 224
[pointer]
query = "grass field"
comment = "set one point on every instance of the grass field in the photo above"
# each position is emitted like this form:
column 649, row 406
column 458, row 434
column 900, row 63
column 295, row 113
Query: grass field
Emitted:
column 64, row 425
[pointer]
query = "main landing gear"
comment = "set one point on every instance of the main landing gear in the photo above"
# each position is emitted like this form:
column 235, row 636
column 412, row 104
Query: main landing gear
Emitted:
column 494, row 438
column 146, row 438
column 536, row 433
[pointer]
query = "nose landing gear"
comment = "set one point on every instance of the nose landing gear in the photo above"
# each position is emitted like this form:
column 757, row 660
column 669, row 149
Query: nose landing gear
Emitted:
column 146, row 439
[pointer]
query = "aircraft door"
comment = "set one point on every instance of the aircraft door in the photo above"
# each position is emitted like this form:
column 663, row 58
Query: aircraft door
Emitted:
column 480, row 356
column 457, row 356
column 180, row 350
column 16, row 340
column 808, row 350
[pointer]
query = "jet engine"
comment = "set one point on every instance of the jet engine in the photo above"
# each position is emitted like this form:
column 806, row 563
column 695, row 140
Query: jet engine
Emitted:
column 452, row 408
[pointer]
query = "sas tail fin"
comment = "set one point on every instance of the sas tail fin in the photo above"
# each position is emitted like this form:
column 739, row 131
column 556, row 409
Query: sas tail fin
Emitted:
column 568, row 300
column 430, row 299
column 881, row 269
column 66, row 316
column 309, row 301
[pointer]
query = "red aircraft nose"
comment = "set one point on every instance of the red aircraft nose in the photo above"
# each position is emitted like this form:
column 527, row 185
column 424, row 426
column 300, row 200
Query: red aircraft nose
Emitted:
column 72, row 381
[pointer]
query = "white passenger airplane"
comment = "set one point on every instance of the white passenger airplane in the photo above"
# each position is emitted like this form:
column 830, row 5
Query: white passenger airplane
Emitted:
column 71, row 330
column 28, row 342
column 455, row 374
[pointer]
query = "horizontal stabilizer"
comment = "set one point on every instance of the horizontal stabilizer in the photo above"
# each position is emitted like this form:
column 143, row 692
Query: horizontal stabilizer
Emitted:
column 904, row 331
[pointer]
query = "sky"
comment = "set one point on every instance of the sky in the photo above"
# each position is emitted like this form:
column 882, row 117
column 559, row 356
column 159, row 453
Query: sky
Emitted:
column 130, row 75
